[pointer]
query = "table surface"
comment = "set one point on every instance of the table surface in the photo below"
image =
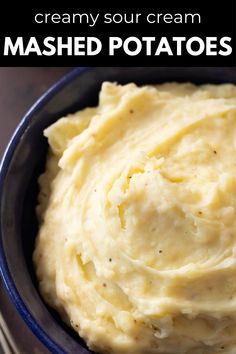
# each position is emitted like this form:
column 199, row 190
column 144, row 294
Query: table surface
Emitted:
column 19, row 88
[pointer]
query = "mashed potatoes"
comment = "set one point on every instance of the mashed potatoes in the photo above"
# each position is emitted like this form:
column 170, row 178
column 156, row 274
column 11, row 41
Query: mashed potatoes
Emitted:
column 137, row 240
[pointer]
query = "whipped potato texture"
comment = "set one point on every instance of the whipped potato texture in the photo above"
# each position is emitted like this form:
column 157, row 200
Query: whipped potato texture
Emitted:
column 137, row 241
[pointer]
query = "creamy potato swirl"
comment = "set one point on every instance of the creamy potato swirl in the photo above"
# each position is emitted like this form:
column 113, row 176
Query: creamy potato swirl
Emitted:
column 137, row 239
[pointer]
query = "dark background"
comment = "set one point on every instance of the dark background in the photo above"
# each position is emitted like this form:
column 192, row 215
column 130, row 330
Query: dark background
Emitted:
column 19, row 88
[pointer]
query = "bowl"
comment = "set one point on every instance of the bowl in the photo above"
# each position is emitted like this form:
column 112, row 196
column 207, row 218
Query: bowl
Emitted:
column 23, row 162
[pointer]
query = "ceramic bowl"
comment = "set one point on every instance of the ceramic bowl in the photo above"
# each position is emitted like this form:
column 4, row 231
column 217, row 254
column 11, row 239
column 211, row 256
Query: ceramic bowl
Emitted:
column 23, row 162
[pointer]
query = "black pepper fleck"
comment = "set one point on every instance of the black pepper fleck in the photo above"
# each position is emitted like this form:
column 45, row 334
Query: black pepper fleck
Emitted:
column 215, row 152
column 104, row 285
column 110, row 260
column 160, row 251
column 155, row 327
column 131, row 111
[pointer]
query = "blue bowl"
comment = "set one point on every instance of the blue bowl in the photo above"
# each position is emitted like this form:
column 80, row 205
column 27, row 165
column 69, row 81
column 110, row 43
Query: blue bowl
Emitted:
column 23, row 162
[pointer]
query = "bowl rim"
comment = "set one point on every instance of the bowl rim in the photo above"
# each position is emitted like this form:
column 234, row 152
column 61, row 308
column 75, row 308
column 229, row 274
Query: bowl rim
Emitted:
column 8, row 281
